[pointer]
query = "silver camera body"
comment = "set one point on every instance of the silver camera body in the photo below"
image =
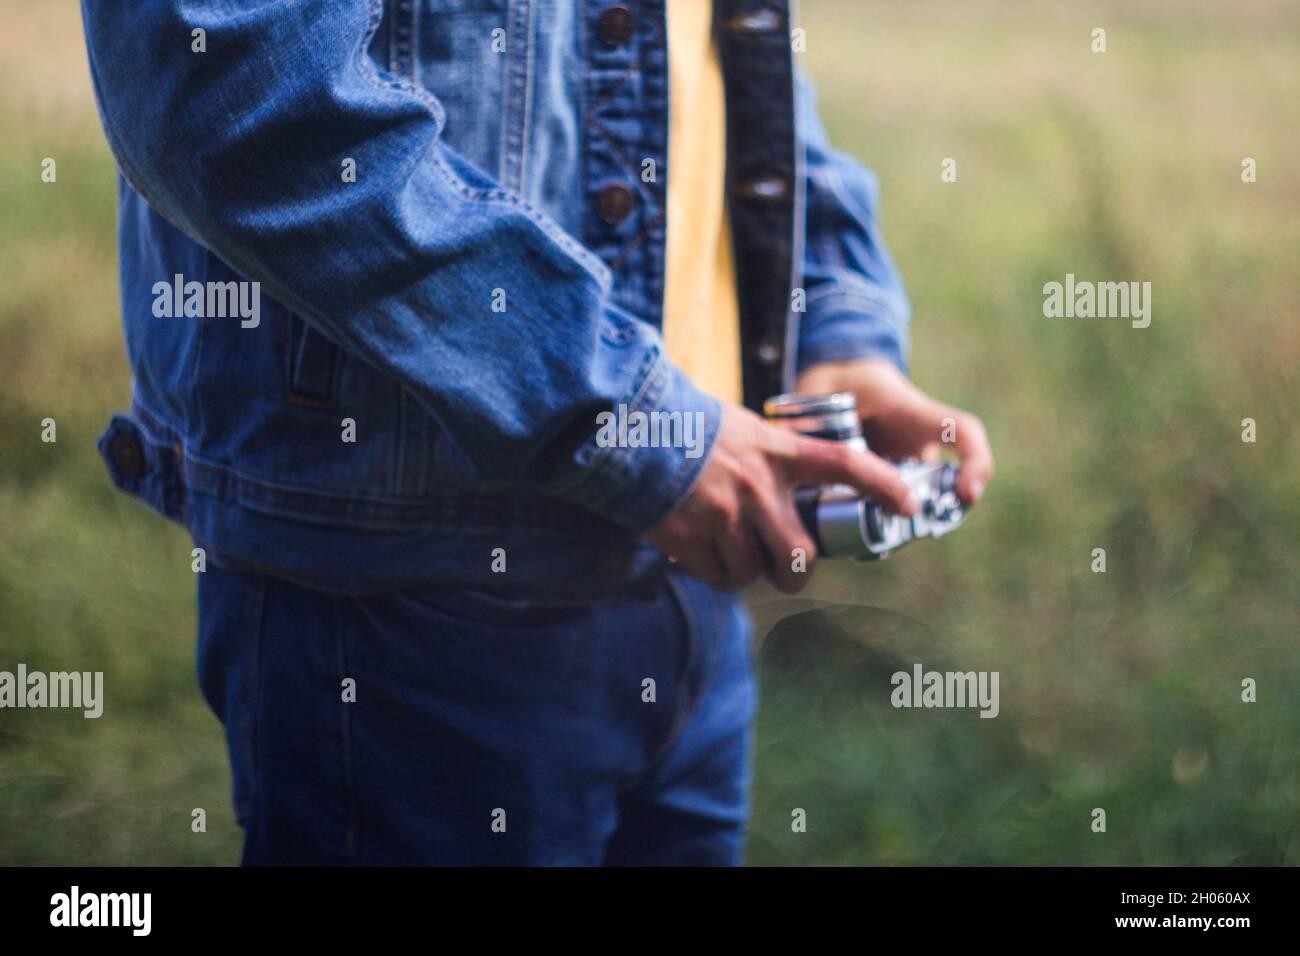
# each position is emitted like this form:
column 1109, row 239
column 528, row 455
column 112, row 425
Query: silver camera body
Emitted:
column 842, row 522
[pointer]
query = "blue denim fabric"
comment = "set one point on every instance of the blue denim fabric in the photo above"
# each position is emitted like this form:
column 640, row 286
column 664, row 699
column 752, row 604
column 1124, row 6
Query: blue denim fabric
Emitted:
column 855, row 294
column 487, row 136
column 467, row 706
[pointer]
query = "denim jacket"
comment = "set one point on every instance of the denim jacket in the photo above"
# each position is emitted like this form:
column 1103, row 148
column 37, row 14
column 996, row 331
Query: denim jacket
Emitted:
column 454, row 212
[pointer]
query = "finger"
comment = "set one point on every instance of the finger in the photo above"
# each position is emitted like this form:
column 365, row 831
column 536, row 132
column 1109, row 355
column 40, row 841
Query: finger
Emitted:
column 739, row 555
column 789, row 547
column 976, row 458
column 828, row 462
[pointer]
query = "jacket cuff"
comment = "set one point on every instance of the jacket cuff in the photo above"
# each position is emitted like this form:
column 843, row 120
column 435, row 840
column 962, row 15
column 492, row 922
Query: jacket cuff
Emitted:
column 853, row 325
column 650, row 450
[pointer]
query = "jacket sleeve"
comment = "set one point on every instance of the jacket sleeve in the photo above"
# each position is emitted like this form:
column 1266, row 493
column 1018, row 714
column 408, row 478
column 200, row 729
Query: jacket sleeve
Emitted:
column 855, row 305
column 242, row 147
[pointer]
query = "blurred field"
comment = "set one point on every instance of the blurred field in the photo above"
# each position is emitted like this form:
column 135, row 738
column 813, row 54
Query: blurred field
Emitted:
column 1118, row 691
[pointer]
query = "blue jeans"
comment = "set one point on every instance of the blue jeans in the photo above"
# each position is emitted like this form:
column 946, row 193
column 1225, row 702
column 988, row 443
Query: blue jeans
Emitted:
column 459, row 728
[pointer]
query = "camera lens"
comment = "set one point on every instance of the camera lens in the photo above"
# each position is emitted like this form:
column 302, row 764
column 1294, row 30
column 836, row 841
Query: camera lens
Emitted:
column 832, row 417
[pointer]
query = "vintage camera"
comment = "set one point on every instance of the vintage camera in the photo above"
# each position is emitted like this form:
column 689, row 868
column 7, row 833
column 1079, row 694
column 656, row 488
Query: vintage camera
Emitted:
column 844, row 524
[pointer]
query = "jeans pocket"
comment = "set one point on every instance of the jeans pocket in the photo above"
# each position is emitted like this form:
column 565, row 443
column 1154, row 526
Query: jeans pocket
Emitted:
column 313, row 366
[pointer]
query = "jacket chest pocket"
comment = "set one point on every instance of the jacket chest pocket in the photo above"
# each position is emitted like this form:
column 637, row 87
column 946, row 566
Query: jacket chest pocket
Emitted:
column 312, row 363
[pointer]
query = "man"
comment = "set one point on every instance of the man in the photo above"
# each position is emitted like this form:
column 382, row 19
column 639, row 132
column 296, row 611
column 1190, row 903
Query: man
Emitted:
column 444, row 619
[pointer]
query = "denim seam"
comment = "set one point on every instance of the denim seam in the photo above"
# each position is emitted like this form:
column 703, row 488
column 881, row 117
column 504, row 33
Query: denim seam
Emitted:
column 528, row 95
column 254, row 752
column 349, row 777
column 496, row 195
column 614, row 473
column 610, row 461
column 833, row 299
column 447, row 513
column 415, row 44
column 553, row 231
column 610, row 465
column 516, row 116
column 840, row 352
column 690, row 692
column 230, row 487
column 397, row 83
column 880, row 337
column 390, row 62
column 685, row 480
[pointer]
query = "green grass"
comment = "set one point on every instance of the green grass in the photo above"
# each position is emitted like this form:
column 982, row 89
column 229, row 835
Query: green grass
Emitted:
column 1121, row 690
column 1118, row 691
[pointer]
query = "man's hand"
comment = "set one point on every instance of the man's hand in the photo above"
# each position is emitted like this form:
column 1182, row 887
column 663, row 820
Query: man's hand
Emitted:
column 740, row 520
column 900, row 421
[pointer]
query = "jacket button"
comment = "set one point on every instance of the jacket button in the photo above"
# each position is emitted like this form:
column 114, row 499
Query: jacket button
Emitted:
column 127, row 455
column 614, row 203
column 767, row 354
column 765, row 187
column 614, row 26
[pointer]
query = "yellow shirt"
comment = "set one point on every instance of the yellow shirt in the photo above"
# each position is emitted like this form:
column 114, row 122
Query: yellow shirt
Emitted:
column 701, row 317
